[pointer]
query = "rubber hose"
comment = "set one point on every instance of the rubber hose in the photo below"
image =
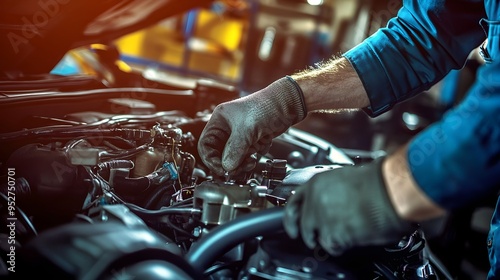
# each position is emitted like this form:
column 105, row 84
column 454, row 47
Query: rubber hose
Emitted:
column 223, row 238
column 117, row 163
column 139, row 211
column 153, row 198
column 105, row 167
column 130, row 186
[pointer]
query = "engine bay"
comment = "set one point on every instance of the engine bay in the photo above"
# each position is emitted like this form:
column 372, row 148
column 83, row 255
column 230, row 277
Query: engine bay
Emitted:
column 101, row 193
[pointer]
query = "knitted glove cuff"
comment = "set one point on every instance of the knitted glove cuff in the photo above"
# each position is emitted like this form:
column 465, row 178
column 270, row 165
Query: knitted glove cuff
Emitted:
column 289, row 92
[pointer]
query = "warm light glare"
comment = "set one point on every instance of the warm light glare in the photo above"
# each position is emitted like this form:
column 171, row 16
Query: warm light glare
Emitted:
column 315, row 2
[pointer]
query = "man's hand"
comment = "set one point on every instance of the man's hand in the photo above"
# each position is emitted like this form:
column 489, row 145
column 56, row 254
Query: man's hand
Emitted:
column 238, row 129
column 345, row 208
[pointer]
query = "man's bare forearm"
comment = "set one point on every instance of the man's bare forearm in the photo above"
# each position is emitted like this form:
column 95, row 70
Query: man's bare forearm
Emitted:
column 334, row 85
column 409, row 201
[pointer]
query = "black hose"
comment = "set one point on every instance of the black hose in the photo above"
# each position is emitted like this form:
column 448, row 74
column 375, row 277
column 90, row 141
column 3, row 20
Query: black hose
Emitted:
column 117, row 163
column 161, row 212
column 218, row 267
column 178, row 230
column 124, row 153
column 126, row 185
column 106, row 166
column 71, row 131
column 213, row 245
column 130, row 186
column 154, row 198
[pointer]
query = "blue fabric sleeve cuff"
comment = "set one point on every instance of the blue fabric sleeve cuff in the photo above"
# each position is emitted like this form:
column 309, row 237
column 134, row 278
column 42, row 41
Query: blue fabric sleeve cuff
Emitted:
column 419, row 47
column 371, row 72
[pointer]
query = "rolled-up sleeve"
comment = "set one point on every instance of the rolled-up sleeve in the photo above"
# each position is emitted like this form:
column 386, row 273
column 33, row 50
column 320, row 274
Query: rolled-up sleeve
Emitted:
column 419, row 47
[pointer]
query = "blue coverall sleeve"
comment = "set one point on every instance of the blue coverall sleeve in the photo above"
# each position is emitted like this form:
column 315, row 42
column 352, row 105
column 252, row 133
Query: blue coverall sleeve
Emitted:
column 457, row 159
column 419, row 47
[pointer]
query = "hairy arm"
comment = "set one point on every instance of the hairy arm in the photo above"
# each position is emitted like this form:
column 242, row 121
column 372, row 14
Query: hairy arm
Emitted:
column 410, row 202
column 334, row 85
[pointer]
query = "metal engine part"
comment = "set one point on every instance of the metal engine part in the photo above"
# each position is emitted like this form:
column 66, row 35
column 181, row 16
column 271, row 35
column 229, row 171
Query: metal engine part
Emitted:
column 222, row 202
column 165, row 148
column 276, row 259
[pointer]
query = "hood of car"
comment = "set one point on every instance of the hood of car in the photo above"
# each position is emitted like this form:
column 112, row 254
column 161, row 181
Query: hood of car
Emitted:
column 35, row 34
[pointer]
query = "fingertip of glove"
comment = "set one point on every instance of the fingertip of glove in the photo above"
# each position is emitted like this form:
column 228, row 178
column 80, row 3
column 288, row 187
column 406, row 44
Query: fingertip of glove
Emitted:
column 229, row 163
column 335, row 252
column 332, row 249
column 290, row 226
column 309, row 240
column 214, row 167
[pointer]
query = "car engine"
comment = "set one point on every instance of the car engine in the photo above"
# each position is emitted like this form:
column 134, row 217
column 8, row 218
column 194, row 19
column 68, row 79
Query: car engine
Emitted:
column 109, row 185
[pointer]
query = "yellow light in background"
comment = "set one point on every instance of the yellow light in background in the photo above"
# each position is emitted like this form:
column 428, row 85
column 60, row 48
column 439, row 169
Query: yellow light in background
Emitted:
column 123, row 66
column 315, row 2
column 215, row 47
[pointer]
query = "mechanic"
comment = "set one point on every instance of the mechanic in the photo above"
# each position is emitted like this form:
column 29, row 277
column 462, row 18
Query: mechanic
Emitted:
column 450, row 164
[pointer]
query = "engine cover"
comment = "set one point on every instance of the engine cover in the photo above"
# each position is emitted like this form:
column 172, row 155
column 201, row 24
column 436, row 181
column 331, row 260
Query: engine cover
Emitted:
column 58, row 188
column 102, row 251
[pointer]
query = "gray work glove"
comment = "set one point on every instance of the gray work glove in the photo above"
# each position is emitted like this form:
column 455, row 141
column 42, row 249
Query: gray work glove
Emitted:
column 345, row 208
column 243, row 127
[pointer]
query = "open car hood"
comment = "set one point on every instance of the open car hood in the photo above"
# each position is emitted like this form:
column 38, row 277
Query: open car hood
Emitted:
column 35, row 34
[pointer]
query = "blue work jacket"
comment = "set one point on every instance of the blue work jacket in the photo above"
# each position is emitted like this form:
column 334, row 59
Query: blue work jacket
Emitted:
column 457, row 160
